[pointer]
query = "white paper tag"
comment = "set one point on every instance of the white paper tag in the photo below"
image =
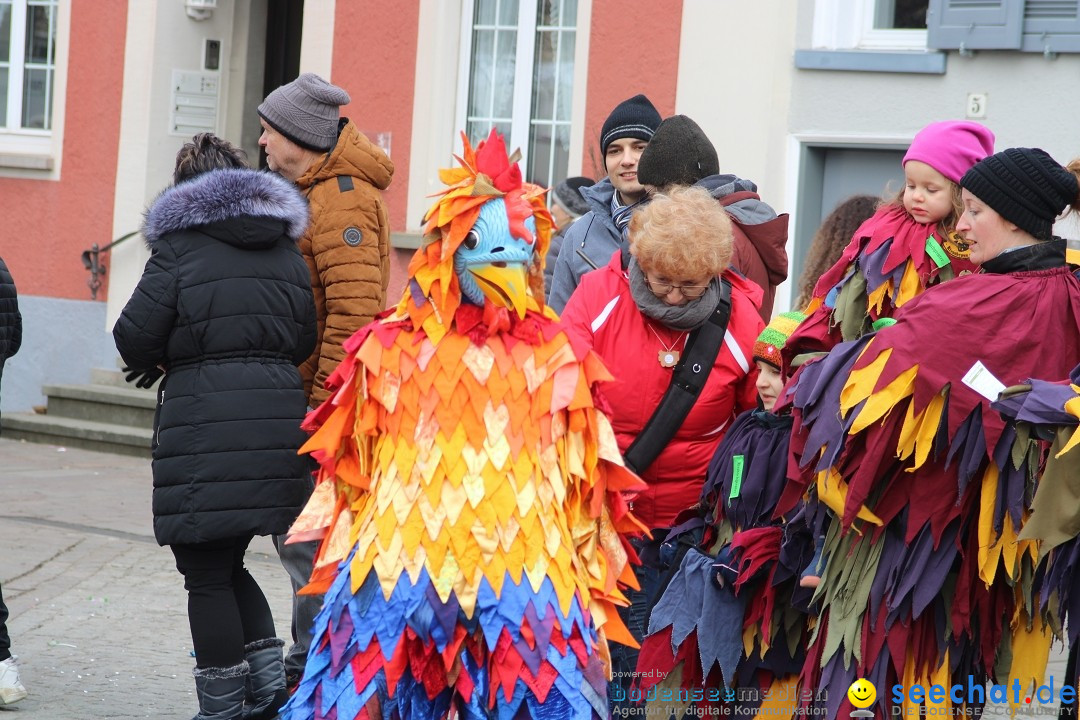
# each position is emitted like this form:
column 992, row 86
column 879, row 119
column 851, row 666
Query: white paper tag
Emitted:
column 982, row 381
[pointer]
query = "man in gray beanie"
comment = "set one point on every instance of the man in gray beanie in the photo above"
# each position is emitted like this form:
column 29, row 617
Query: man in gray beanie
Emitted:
column 567, row 205
column 592, row 240
column 346, row 247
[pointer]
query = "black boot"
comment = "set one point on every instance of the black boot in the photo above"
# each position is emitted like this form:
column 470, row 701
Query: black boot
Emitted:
column 266, row 693
column 221, row 692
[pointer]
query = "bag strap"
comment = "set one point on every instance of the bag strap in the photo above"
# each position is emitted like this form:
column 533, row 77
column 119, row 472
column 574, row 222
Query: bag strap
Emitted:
column 686, row 384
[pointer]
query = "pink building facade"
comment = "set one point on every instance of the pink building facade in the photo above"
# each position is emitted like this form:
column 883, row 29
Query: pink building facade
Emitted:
column 125, row 83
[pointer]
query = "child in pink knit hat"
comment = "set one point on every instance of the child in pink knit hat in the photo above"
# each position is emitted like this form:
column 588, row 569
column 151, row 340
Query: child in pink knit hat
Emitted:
column 908, row 244
column 951, row 147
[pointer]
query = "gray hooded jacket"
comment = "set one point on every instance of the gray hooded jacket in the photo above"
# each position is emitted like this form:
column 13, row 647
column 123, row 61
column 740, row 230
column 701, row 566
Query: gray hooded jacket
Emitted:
column 587, row 244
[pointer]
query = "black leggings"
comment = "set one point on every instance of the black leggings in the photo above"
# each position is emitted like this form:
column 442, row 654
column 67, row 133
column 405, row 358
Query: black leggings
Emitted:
column 5, row 639
column 226, row 607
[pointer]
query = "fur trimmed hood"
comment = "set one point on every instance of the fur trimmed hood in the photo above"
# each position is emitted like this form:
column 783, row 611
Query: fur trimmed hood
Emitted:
column 221, row 195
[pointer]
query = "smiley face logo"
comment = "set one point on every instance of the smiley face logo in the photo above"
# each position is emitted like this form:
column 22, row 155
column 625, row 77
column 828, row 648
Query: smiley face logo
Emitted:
column 862, row 693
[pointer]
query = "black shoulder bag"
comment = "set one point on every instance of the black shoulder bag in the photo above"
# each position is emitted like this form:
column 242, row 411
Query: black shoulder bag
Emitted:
column 687, row 380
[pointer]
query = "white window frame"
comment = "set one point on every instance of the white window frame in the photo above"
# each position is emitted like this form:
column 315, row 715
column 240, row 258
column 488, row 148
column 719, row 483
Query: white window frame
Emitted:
column 521, row 108
column 849, row 25
column 553, row 125
column 27, row 151
column 521, row 113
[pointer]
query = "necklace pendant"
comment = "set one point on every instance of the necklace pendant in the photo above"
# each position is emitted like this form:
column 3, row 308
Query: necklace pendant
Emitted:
column 668, row 358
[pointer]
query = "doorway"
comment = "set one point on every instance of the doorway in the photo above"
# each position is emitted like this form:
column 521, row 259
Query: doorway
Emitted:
column 831, row 173
column 284, row 31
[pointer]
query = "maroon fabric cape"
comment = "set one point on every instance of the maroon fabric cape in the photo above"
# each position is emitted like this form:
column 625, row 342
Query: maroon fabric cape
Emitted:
column 1018, row 325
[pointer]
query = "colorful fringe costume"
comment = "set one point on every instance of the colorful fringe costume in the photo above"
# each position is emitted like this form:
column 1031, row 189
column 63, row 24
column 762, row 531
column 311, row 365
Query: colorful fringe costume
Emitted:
column 890, row 260
column 733, row 613
column 471, row 496
column 1044, row 416
column 926, row 579
column 744, row 628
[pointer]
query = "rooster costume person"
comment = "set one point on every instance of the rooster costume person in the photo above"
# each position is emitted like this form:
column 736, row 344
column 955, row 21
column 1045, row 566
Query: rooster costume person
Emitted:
column 471, row 496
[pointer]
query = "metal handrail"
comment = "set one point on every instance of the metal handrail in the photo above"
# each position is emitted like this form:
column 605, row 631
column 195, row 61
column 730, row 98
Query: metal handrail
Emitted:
column 91, row 260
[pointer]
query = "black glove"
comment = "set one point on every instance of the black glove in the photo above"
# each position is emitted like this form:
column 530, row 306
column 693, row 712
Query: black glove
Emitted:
column 143, row 378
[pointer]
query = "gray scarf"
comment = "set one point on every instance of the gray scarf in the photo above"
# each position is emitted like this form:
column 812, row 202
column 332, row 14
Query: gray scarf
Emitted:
column 690, row 316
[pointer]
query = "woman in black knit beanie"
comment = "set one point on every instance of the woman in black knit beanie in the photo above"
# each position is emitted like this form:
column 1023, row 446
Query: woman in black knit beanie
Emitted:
column 936, row 491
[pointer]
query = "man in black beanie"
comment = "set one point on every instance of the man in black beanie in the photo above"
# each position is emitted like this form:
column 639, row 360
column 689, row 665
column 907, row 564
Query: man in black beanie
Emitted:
column 592, row 240
column 347, row 249
column 680, row 154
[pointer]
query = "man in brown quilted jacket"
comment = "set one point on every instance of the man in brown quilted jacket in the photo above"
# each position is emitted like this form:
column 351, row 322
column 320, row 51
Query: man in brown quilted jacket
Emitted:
column 347, row 249
column 347, row 246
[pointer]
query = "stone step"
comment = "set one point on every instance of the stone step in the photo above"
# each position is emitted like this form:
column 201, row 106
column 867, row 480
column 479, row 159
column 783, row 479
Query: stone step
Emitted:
column 102, row 403
column 112, row 378
column 105, row 376
column 73, row 432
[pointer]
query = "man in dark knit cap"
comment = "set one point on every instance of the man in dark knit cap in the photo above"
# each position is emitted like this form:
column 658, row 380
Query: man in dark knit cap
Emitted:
column 590, row 243
column 680, row 154
column 346, row 247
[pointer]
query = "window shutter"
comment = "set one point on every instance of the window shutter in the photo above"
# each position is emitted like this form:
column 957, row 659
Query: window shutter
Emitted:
column 1051, row 26
column 974, row 24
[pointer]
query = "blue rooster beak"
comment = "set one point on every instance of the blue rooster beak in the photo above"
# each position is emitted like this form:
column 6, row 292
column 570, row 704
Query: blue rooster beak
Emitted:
column 504, row 283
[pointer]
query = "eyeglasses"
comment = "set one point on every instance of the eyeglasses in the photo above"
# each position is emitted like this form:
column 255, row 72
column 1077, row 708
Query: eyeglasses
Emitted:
column 690, row 292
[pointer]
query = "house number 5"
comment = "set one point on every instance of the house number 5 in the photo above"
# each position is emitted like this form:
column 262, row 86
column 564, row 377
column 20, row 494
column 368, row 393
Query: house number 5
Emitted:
column 976, row 105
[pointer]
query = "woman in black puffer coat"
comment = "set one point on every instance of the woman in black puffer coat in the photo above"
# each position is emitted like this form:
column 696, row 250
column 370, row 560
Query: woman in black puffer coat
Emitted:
column 10, row 318
column 225, row 309
column 11, row 688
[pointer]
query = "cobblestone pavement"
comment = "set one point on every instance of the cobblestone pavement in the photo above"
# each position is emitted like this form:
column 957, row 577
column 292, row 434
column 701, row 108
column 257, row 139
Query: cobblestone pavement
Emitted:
column 98, row 610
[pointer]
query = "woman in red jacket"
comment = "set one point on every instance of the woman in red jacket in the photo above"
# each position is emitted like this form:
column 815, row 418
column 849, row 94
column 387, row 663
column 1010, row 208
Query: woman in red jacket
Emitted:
column 639, row 321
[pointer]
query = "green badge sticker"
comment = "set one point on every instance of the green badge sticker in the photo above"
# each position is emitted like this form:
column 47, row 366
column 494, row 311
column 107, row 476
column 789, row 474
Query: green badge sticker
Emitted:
column 736, row 476
column 883, row 322
column 936, row 253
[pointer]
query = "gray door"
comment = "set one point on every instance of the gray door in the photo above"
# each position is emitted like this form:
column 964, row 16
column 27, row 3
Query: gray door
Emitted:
column 859, row 172
column 831, row 174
